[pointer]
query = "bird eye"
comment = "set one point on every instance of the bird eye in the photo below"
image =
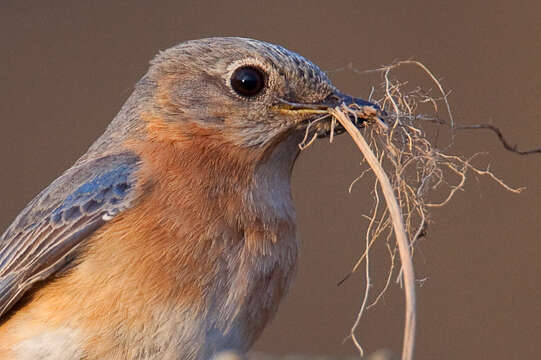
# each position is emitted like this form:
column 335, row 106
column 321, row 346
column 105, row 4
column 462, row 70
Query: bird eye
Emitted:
column 248, row 81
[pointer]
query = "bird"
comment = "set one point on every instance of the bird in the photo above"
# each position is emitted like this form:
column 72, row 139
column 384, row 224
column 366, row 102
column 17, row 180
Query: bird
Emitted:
column 174, row 236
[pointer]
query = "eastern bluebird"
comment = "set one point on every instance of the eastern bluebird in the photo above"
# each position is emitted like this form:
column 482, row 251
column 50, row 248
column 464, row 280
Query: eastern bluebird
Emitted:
column 174, row 235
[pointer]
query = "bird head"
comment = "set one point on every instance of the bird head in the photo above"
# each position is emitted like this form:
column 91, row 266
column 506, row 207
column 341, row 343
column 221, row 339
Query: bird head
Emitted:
column 250, row 93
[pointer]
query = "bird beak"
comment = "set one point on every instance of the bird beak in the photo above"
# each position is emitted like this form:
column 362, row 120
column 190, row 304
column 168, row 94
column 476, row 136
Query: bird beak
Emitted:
column 332, row 101
column 338, row 98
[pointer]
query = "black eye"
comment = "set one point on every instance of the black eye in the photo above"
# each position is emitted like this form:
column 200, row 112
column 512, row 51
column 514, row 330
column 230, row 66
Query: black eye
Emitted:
column 248, row 81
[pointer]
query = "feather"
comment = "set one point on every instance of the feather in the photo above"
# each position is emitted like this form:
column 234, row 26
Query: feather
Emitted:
column 45, row 237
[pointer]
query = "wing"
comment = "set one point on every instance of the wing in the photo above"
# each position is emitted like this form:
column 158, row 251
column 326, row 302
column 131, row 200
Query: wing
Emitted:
column 44, row 238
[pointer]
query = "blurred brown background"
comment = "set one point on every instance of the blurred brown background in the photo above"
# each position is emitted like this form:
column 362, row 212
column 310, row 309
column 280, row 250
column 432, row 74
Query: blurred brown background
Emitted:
column 67, row 67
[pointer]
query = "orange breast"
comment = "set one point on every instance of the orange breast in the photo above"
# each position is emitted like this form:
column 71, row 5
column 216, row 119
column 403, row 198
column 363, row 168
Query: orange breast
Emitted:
column 199, row 264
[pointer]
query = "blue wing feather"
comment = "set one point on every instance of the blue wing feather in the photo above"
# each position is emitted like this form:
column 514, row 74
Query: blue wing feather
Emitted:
column 44, row 238
column 109, row 188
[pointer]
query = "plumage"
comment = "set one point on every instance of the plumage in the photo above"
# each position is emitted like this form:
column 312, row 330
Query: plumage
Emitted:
column 46, row 235
column 174, row 235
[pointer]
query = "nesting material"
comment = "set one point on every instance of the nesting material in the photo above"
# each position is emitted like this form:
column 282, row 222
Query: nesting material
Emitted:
column 409, row 172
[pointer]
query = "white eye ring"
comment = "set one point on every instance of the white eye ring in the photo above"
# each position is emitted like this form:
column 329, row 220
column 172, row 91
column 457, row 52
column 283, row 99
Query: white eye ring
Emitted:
column 267, row 71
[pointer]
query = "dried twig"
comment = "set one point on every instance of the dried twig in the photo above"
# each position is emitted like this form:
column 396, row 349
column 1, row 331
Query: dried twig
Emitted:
column 398, row 226
column 498, row 132
column 409, row 168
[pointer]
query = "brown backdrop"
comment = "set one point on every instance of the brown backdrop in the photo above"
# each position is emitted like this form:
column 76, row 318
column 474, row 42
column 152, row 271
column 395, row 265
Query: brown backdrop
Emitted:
column 68, row 66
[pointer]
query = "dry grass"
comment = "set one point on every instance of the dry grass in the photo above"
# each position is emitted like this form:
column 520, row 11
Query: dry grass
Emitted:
column 411, row 173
